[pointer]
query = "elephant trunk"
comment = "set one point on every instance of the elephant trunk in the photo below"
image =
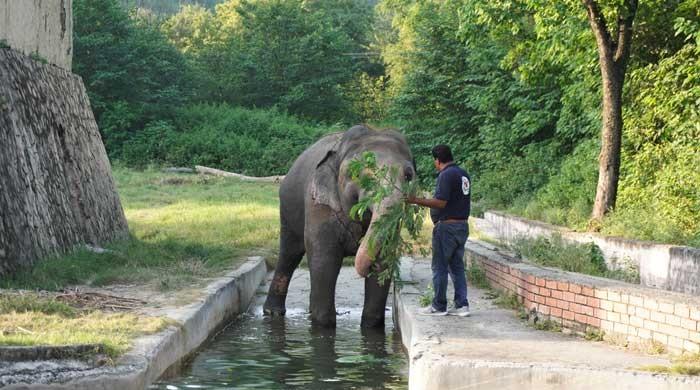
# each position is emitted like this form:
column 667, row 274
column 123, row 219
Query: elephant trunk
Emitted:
column 366, row 255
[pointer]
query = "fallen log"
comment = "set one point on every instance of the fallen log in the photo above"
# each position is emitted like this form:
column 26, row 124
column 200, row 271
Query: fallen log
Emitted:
column 217, row 172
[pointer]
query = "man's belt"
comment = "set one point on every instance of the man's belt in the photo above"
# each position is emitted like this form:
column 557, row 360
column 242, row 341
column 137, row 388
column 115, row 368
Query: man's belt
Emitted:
column 453, row 220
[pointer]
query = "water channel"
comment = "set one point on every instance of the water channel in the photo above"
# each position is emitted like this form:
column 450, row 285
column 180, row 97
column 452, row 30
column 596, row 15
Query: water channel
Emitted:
column 260, row 352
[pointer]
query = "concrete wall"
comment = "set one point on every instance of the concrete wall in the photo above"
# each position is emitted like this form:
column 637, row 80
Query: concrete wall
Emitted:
column 666, row 267
column 41, row 27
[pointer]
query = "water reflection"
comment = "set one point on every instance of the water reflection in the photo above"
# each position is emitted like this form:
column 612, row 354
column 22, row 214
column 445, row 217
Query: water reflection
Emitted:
column 282, row 353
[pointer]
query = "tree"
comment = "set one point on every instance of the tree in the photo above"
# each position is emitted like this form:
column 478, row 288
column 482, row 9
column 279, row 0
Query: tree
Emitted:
column 613, row 56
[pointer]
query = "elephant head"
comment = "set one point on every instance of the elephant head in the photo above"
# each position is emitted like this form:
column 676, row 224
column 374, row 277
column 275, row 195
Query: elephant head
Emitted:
column 333, row 186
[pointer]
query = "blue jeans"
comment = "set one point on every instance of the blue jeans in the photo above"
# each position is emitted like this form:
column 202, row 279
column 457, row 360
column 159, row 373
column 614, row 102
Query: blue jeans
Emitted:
column 448, row 257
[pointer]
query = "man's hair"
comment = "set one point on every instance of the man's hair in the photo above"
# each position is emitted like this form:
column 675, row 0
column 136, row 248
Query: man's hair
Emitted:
column 442, row 153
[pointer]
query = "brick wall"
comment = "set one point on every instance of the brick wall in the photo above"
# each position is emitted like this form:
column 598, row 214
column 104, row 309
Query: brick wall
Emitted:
column 580, row 302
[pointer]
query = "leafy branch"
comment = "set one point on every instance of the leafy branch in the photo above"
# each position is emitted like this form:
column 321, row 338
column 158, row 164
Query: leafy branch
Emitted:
column 380, row 182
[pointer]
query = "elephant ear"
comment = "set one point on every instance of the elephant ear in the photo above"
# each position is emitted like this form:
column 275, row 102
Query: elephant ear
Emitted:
column 324, row 186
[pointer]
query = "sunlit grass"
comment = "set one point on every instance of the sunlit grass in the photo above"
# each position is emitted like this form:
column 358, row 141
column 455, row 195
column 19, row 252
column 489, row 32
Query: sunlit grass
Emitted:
column 183, row 228
column 29, row 319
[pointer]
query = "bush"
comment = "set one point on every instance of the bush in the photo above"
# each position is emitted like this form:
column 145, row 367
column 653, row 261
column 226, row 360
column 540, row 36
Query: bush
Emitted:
column 252, row 142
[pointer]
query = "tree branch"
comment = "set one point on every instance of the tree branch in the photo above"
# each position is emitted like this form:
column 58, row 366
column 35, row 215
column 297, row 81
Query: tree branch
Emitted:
column 624, row 32
column 600, row 28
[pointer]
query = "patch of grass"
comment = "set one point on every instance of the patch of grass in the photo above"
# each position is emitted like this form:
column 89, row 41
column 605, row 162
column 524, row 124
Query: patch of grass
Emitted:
column 114, row 331
column 427, row 297
column 508, row 301
column 38, row 57
column 476, row 276
column 655, row 348
column 547, row 325
column 581, row 258
column 594, row 335
column 4, row 44
column 183, row 228
column 686, row 364
column 28, row 319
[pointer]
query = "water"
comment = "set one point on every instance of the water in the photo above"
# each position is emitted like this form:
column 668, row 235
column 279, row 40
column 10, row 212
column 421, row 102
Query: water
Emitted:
column 287, row 353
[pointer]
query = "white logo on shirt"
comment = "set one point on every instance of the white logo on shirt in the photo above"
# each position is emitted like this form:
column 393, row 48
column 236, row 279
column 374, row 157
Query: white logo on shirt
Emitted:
column 465, row 185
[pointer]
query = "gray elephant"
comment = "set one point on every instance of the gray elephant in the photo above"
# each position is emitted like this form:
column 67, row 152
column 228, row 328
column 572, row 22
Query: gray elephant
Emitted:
column 315, row 201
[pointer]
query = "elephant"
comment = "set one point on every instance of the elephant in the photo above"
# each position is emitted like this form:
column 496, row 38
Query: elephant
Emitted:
column 315, row 201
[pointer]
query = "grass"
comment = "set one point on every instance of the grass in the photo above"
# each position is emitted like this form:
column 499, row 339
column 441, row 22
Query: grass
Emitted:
column 427, row 297
column 685, row 364
column 476, row 276
column 581, row 258
column 28, row 319
column 183, row 228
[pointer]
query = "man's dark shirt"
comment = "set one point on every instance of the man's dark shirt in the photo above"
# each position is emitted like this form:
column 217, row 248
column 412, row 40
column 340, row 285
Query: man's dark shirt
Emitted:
column 454, row 186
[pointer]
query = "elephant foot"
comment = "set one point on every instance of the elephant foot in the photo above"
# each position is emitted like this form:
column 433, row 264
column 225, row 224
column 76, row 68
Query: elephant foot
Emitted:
column 325, row 321
column 272, row 309
column 372, row 322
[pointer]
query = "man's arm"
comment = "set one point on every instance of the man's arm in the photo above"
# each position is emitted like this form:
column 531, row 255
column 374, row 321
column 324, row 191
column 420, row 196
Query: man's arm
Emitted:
column 431, row 202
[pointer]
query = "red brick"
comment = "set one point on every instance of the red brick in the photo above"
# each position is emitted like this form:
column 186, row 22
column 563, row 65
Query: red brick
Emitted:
column 550, row 302
column 545, row 292
column 557, row 294
column 563, row 286
column 540, row 282
column 539, row 299
column 551, row 284
column 569, row 296
column 555, row 311
column 568, row 315
column 532, row 288
column 563, row 305
column 580, row 318
column 598, row 313
column 594, row 322
column 587, row 291
column 530, row 296
column 587, row 310
column 580, row 299
column 575, row 288
column 576, row 308
column 593, row 302
column 530, row 279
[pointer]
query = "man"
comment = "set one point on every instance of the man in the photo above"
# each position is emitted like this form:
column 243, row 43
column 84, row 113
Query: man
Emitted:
column 449, row 210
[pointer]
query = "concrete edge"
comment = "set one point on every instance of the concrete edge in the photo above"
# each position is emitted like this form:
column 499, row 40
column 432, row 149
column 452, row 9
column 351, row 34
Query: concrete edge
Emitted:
column 152, row 355
column 432, row 371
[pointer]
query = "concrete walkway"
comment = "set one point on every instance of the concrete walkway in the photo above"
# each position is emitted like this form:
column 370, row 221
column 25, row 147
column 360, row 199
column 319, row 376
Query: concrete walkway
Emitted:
column 493, row 349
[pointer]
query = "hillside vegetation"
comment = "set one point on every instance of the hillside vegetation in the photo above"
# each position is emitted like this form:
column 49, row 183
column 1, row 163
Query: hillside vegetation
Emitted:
column 513, row 86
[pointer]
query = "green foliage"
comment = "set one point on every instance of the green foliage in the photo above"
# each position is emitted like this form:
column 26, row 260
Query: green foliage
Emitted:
column 252, row 142
column 508, row 301
column 380, row 183
column 514, row 88
column 132, row 73
column 477, row 276
column 593, row 334
column 32, row 302
column 426, row 298
column 581, row 258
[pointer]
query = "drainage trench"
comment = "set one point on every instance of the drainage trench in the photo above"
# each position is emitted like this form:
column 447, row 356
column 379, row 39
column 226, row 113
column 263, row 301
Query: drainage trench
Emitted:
column 256, row 351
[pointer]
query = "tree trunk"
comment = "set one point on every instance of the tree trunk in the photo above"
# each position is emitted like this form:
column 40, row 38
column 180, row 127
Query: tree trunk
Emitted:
column 613, row 54
column 56, row 186
column 611, row 142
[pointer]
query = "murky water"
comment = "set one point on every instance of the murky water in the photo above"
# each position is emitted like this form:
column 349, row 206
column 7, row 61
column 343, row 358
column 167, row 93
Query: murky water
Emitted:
column 286, row 353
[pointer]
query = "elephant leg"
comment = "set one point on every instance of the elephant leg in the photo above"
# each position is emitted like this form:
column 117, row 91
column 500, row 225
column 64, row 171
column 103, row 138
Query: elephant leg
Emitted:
column 325, row 261
column 376, row 294
column 291, row 253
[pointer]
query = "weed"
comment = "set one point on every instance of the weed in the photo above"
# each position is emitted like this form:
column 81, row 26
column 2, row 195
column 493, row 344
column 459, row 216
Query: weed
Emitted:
column 4, row 44
column 583, row 258
column 685, row 364
column 427, row 297
column 477, row 276
column 594, row 335
column 508, row 301
column 31, row 302
column 547, row 325
column 38, row 57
